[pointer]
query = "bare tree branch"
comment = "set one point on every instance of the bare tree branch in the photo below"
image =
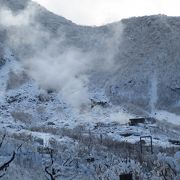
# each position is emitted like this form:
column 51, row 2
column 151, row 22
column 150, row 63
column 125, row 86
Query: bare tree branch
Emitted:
column 2, row 140
column 173, row 170
column 4, row 166
column 50, row 174
column 64, row 164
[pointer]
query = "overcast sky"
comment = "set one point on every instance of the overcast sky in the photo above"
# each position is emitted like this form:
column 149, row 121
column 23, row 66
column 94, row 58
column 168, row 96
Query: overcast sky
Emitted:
column 98, row 12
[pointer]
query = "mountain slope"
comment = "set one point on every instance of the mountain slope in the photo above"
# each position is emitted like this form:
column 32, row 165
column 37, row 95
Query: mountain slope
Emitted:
column 134, row 62
column 70, row 90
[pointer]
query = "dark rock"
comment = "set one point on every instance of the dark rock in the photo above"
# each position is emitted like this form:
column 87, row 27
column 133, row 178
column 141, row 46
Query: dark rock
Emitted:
column 151, row 120
column 39, row 140
column 175, row 142
column 90, row 160
column 12, row 99
column 2, row 61
column 51, row 124
column 94, row 103
column 43, row 97
column 126, row 134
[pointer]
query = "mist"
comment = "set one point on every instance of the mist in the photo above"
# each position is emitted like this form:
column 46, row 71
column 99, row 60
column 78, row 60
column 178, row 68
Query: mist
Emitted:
column 9, row 19
column 46, row 60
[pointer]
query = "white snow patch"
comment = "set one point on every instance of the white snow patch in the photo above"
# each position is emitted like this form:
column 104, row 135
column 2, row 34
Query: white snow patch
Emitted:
column 44, row 136
column 167, row 117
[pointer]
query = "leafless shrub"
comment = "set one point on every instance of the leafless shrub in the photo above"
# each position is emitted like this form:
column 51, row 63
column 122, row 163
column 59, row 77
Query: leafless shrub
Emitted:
column 55, row 170
column 5, row 165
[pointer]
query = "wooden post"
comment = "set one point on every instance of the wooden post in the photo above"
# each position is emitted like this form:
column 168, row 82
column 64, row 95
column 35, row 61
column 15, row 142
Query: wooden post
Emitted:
column 101, row 138
column 141, row 144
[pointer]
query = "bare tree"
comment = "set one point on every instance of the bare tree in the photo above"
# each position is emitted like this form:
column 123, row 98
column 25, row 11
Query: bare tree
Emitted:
column 50, row 170
column 63, row 169
column 5, row 165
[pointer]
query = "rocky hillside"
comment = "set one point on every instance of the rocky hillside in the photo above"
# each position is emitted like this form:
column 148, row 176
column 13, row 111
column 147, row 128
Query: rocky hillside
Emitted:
column 135, row 62
column 67, row 93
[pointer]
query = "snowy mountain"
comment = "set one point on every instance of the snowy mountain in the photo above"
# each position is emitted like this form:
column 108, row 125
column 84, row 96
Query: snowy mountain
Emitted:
column 138, row 50
column 63, row 85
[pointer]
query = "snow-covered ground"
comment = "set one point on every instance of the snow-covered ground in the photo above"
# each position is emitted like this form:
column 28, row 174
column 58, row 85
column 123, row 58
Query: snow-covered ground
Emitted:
column 43, row 120
column 73, row 89
column 167, row 117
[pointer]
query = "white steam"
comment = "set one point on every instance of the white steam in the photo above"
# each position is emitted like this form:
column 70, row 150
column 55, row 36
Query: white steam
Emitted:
column 153, row 92
column 51, row 64
column 112, row 46
column 8, row 18
column 66, row 73
column 120, row 117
